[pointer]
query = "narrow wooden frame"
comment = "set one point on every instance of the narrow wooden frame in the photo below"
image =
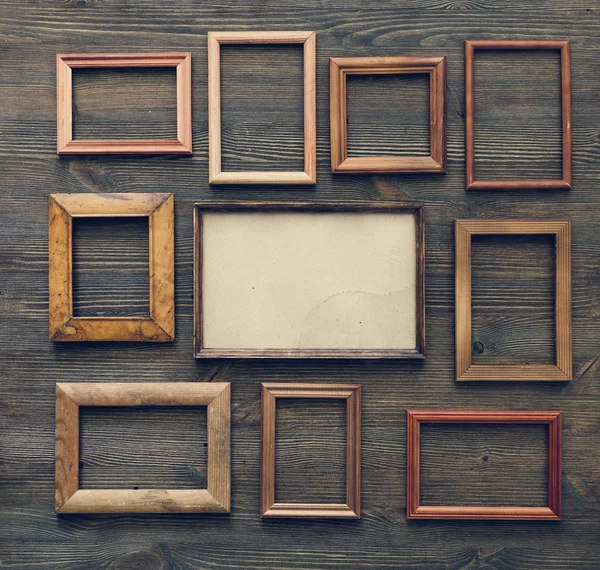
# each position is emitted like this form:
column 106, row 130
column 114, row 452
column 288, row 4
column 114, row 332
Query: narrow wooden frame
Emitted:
column 70, row 499
column 340, row 67
column 158, row 208
column 65, row 63
column 414, row 510
column 268, row 507
column 530, row 184
column 417, row 353
column 215, row 174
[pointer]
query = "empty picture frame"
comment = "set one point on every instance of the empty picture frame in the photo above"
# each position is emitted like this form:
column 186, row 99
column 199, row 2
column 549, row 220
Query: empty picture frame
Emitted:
column 70, row 499
column 465, row 369
column 159, row 326
column 309, row 280
column 65, row 63
column 339, row 68
column 414, row 509
column 532, row 184
column 216, row 175
column 269, row 508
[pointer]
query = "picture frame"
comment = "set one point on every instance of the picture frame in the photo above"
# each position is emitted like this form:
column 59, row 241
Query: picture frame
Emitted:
column 159, row 326
column 530, row 184
column 70, row 499
column 402, row 337
column 551, row 512
column 65, row 63
column 216, row 175
column 561, row 370
column 340, row 68
column 268, row 506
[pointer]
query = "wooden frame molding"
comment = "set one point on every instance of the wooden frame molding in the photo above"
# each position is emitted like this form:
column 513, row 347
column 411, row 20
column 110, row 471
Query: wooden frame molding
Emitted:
column 65, row 63
column 70, row 499
column 271, row 509
column 531, row 184
column 339, row 68
column 414, row 509
column 465, row 369
column 159, row 326
column 216, row 175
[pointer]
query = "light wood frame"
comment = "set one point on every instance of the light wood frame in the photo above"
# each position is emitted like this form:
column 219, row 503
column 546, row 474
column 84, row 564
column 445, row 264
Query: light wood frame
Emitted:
column 531, row 184
column 465, row 369
column 158, row 208
column 414, row 510
column 341, row 67
column 70, row 499
column 216, row 175
column 65, row 63
column 351, row 508
column 417, row 353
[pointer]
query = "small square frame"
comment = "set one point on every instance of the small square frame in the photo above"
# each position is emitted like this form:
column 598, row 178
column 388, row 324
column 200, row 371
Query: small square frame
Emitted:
column 268, row 507
column 215, row 174
column 467, row 371
column 531, row 184
column 414, row 510
column 65, row 63
column 70, row 499
column 339, row 68
column 158, row 208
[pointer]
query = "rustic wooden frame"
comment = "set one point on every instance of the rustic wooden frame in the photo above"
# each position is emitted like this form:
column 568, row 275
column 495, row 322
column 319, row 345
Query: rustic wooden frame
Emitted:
column 70, row 499
column 215, row 174
column 417, row 353
column 530, row 184
column 351, row 508
column 160, row 325
column 414, row 510
column 339, row 68
column 465, row 369
column 65, row 63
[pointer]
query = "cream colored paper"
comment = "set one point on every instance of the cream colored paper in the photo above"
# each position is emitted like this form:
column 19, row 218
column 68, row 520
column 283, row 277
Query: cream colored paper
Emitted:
column 309, row 280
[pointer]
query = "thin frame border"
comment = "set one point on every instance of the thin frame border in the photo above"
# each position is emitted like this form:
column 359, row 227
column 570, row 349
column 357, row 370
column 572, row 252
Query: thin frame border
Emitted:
column 467, row 371
column 215, row 174
column 65, row 63
column 414, row 510
column 70, row 499
column 529, row 184
column 339, row 68
column 269, row 394
column 417, row 209
column 158, row 208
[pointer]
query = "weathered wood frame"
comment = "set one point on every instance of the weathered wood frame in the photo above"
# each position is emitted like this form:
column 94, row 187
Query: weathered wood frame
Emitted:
column 159, row 326
column 339, row 68
column 465, row 369
column 216, row 175
column 416, row 209
column 531, row 184
column 65, row 63
column 70, row 499
column 414, row 510
column 351, row 508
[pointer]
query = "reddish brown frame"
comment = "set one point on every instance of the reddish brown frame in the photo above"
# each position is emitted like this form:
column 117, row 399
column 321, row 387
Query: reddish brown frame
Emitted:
column 414, row 510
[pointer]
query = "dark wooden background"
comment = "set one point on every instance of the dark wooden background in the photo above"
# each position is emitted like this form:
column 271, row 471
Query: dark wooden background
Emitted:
column 518, row 134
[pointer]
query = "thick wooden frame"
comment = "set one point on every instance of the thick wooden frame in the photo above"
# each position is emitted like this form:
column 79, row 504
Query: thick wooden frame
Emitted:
column 268, row 507
column 339, row 68
column 70, row 499
column 531, row 184
column 215, row 174
column 160, row 325
column 65, row 63
column 465, row 369
column 417, row 353
column 414, row 510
